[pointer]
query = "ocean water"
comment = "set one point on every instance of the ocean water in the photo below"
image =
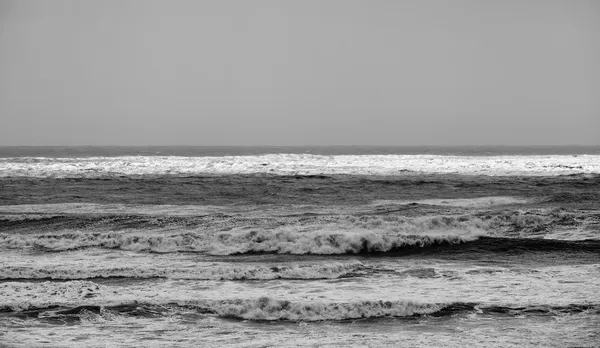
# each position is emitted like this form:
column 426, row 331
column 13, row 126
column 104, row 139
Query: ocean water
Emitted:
column 299, row 247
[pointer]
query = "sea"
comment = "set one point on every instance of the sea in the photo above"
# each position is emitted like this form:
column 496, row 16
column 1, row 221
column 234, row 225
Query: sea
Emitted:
column 340, row 246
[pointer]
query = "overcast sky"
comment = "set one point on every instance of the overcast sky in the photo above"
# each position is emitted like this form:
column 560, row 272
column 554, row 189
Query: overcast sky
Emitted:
column 299, row 72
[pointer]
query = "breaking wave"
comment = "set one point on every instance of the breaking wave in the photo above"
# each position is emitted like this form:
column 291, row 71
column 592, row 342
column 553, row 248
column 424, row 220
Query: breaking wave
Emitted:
column 326, row 242
column 266, row 308
column 101, row 229
column 282, row 241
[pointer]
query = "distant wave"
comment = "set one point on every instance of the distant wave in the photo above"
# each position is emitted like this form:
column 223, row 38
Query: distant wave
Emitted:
column 203, row 151
column 297, row 164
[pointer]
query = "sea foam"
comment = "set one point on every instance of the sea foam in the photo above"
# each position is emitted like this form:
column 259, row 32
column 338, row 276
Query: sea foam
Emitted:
column 296, row 164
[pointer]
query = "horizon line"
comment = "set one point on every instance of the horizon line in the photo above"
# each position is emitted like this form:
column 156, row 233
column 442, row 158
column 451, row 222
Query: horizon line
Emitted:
column 337, row 145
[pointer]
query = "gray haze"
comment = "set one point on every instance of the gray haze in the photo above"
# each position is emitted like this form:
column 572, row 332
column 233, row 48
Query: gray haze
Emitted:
column 302, row 72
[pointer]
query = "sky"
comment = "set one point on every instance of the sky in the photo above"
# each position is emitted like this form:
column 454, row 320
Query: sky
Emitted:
column 299, row 72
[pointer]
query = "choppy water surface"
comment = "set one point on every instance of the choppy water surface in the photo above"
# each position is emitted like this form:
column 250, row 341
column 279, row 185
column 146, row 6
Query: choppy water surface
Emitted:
column 312, row 250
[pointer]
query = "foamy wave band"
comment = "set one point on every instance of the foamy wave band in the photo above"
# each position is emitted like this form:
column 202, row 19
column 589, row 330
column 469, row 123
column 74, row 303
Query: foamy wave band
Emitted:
column 295, row 164
column 211, row 272
column 279, row 241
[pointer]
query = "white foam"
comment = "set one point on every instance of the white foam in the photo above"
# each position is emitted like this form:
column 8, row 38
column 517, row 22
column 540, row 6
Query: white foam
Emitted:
column 293, row 164
column 575, row 234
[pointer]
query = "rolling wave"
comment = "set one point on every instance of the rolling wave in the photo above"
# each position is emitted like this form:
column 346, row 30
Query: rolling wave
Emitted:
column 552, row 222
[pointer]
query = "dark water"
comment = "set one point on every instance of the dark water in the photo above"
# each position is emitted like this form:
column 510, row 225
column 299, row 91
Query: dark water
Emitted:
column 201, row 151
